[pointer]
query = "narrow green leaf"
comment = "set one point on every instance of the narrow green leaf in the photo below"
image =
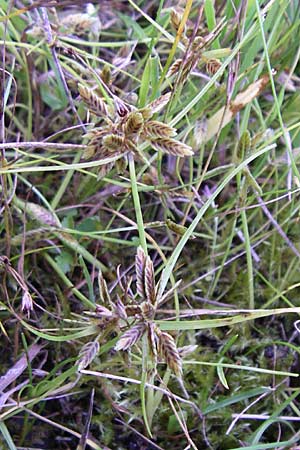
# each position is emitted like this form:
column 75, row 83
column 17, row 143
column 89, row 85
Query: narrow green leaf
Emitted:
column 87, row 331
column 167, row 325
column 221, row 375
column 209, row 10
column 7, row 437
column 237, row 398
column 145, row 84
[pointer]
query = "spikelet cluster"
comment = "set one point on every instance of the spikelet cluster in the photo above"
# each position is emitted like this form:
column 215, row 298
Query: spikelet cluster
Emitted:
column 125, row 128
column 79, row 24
column 195, row 46
column 133, row 315
column 159, row 343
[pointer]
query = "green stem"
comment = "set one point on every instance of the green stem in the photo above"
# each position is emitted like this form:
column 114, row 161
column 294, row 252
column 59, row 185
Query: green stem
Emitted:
column 142, row 236
column 137, row 204
column 64, row 186
column 249, row 259
column 143, row 385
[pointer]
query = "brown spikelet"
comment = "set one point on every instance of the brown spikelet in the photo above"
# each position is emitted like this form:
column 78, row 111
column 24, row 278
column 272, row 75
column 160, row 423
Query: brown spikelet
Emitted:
column 197, row 44
column 172, row 147
column 147, row 310
column 27, row 302
column 200, row 130
column 176, row 17
column 90, row 151
column 134, row 123
column 152, row 340
column 170, row 353
column 174, row 67
column 159, row 103
column 155, row 129
column 150, row 282
column 177, row 228
column 146, row 113
column 104, row 170
column 120, row 309
column 105, row 74
column 95, row 103
column 243, row 145
column 41, row 214
column 105, row 153
column 103, row 290
column 212, row 66
column 151, row 177
column 95, row 135
column 121, row 165
column 189, row 65
column 130, row 337
column 113, row 142
column 94, row 143
column 102, row 312
column 184, row 74
column 140, row 263
column 131, row 147
column 87, row 354
column 185, row 40
column 133, row 310
column 120, row 107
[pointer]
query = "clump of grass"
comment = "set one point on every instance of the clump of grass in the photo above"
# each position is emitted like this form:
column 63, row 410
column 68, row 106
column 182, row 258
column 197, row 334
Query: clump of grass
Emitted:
column 145, row 141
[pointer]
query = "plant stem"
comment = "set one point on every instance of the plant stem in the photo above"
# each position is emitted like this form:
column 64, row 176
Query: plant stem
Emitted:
column 137, row 204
